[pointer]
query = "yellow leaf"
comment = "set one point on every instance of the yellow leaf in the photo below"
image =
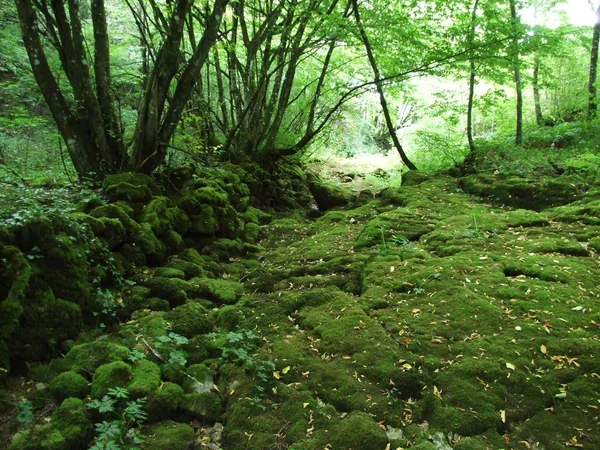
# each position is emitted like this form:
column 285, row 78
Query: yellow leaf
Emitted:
column 304, row 405
column 510, row 366
column 437, row 392
column 216, row 388
column 277, row 375
column 286, row 370
column 503, row 415
column 543, row 349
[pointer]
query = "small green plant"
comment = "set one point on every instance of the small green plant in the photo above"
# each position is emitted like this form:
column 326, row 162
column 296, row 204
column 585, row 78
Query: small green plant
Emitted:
column 25, row 412
column 122, row 419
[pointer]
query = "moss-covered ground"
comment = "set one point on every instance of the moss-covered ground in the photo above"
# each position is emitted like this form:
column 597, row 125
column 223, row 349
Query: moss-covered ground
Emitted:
column 425, row 318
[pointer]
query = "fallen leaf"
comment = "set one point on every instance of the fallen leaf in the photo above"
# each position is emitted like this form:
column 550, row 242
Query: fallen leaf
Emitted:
column 437, row 392
column 503, row 415
column 543, row 349
column 277, row 375
column 510, row 366
column 286, row 370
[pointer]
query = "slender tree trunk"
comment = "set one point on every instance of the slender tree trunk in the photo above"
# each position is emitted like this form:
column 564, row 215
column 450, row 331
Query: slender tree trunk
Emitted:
column 471, row 78
column 539, row 117
column 379, row 85
column 517, row 70
column 592, row 102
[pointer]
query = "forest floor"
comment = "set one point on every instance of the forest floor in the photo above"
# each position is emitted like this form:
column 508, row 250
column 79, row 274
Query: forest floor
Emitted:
column 426, row 318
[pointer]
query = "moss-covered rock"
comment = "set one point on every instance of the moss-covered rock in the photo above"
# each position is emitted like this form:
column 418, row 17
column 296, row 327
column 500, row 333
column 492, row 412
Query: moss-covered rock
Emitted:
column 145, row 379
column 132, row 179
column 89, row 356
column 252, row 232
column 218, row 290
column 327, row 195
column 69, row 384
column 173, row 241
column 229, row 317
column 189, row 319
column 111, row 375
column 39, row 437
column 414, row 178
column 171, row 435
column 206, row 406
column 72, row 419
column 358, row 431
column 204, row 222
column 163, row 216
column 152, row 248
column 164, row 401
column 115, row 212
column 172, row 289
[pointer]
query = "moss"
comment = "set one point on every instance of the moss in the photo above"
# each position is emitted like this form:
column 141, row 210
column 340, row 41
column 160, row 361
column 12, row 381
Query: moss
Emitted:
column 169, row 272
column 115, row 212
column 163, row 216
column 88, row 357
column 188, row 268
column 189, row 319
column 211, row 196
column 207, row 406
column 111, row 375
column 423, row 446
column 145, row 379
column 171, row 435
column 327, row 195
column 132, row 178
column 72, row 420
column 39, row 437
column 220, row 291
column 173, row 241
column 257, row 216
column 414, row 178
column 229, row 317
column 164, row 401
column 15, row 280
column 113, row 232
column 128, row 192
column 172, row 289
column 205, row 221
column 251, row 232
column 69, row 384
column 152, row 248
column 358, row 431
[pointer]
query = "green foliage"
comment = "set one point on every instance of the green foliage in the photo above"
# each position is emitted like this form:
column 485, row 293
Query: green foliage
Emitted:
column 25, row 415
column 122, row 419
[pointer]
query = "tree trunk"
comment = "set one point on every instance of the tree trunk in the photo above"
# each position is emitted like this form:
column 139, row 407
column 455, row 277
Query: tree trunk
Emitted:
column 471, row 78
column 82, row 128
column 379, row 85
column 539, row 117
column 517, row 70
column 592, row 102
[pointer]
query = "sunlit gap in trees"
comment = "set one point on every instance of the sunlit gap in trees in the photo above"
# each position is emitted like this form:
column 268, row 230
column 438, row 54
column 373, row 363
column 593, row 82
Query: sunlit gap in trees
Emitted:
column 573, row 12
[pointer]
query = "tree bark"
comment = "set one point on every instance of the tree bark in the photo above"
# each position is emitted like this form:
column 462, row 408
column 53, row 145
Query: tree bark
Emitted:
column 379, row 85
column 472, row 76
column 592, row 102
column 539, row 117
column 517, row 71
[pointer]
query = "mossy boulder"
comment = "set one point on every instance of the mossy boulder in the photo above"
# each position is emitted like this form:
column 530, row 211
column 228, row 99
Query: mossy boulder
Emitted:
column 251, row 232
column 204, row 222
column 113, row 211
column 189, row 319
column 359, row 431
column 152, row 248
column 130, row 187
column 145, row 379
column 39, row 437
column 255, row 215
column 163, row 216
column 206, row 406
column 69, row 384
column 326, row 194
column 111, row 375
column 218, row 290
column 173, row 241
column 89, row 356
column 169, row 435
column 229, row 317
column 72, row 419
column 164, row 401
column 414, row 178
column 172, row 289
column 169, row 272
